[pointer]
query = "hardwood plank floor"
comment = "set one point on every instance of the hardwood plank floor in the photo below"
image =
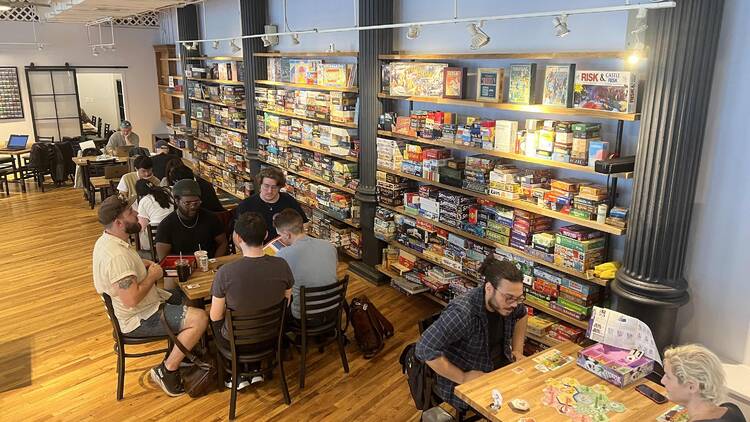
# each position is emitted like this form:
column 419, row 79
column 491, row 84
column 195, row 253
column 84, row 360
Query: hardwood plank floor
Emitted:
column 56, row 357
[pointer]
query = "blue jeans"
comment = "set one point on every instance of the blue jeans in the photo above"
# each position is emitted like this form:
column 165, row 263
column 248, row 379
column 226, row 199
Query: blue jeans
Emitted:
column 174, row 313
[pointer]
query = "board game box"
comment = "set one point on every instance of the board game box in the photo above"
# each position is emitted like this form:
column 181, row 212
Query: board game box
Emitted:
column 605, row 91
column 558, row 85
column 522, row 83
column 614, row 364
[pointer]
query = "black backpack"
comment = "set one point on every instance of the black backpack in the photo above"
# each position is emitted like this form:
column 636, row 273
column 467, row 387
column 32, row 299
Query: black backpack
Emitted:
column 419, row 375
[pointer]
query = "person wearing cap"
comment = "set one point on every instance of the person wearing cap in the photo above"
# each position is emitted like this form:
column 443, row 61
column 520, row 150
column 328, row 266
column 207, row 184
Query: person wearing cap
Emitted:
column 143, row 170
column 190, row 227
column 131, row 284
column 124, row 137
column 161, row 158
column 209, row 199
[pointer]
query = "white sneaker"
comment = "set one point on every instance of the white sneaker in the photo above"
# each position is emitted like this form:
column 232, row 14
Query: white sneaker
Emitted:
column 242, row 384
column 256, row 379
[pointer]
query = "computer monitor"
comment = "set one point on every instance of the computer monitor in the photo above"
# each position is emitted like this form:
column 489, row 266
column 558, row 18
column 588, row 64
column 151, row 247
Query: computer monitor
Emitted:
column 18, row 141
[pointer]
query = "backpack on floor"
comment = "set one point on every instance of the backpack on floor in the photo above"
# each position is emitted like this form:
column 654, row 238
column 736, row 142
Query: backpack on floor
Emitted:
column 420, row 377
column 371, row 328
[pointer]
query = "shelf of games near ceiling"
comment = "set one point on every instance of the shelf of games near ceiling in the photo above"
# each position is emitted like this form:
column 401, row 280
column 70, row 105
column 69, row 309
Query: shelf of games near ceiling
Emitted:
column 280, row 79
column 533, row 109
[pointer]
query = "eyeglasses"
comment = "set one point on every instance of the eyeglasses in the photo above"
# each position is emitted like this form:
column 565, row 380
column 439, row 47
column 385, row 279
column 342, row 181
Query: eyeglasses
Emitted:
column 195, row 203
column 269, row 187
column 512, row 300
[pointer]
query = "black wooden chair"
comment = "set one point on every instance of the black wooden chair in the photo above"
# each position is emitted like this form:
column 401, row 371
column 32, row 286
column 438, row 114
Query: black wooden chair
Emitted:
column 151, row 230
column 121, row 340
column 4, row 172
column 94, row 120
column 255, row 340
column 99, row 127
column 320, row 317
column 96, row 180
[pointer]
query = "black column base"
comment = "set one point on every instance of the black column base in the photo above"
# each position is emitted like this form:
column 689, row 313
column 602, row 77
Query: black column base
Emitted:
column 654, row 304
column 368, row 272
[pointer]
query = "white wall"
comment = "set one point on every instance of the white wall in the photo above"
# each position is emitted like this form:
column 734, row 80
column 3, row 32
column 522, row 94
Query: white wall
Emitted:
column 718, row 314
column 68, row 43
column 97, row 94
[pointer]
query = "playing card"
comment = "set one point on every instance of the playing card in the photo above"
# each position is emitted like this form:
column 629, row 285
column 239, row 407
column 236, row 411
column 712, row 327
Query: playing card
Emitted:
column 517, row 370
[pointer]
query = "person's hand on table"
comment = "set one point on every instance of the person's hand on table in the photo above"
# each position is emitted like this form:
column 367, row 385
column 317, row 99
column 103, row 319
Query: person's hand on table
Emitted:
column 155, row 270
column 518, row 355
column 470, row 375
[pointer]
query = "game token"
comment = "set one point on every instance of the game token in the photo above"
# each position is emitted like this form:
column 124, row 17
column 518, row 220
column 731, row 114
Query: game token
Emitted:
column 583, row 398
column 616, row 407
column 519, row 404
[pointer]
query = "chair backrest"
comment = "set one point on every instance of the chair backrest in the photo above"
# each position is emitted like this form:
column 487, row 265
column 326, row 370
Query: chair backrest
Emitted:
column 316, row 302
column 93, row 120
column 116, row 332
column 45, row 139
column 98, row 168
column 151, row 230
column 116, row 171
column 106, row 127
column 259, row 327
column 99, row 127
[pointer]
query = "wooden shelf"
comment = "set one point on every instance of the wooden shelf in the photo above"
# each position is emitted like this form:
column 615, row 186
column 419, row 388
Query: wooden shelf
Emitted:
column 488, row 242
column 177, row 111
column 200, row 100
column 176, row 147
column 428, row 294
column 506, row 155
column 306, row 86
column 217, row 58
column 526, row 206
column 431, row 260
column 218, row 125
column 216, row 81
column 544, row 55
column 307, row 54
column 349, row 253
column 313, row 178
column 294, row 116
column 310, row 148
column 225, row 148
column 547, row 341
column 223, row 167
column 173, row 95
column 170, row 59
column 529, row 108
column 347, row 221
column 236, row 195
column 558, row 315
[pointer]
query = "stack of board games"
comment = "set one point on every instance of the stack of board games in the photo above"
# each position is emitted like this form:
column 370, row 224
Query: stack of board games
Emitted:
column 579, row 248
column 391, row 188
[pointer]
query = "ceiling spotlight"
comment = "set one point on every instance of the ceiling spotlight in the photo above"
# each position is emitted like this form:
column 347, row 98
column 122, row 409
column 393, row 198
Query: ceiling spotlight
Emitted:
column 642, row 13
column 561, row 25
column 215, row 45
column 266, row 41
column 95, row 52
column 191, row 46
column 235, row 47
column 295, row 39
column 40, row 46
column 413, row 32
column 478, row 37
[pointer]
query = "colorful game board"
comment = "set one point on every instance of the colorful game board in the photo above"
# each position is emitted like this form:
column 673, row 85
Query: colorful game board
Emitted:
column 581, row 403
column 551, row 360
column 675, row 414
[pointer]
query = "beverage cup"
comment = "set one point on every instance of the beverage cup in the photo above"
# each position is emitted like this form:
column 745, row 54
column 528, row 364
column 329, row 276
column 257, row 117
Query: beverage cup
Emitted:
column 183, row 270
column 201, row 258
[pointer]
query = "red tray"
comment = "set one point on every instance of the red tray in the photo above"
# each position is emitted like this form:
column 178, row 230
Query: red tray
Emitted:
column 169, row 261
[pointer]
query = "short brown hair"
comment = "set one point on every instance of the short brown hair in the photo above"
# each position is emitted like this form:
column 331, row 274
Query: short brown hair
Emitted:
column 251, row 228
column 271, row 173
column 289, row 220
column 494, row 271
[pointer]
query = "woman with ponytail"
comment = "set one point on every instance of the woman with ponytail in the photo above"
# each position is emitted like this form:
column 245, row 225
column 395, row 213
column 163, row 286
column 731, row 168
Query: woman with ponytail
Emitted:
column 154, row 204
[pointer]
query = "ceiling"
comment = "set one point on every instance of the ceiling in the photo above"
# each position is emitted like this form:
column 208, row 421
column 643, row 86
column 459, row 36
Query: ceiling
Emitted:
column 83, row 11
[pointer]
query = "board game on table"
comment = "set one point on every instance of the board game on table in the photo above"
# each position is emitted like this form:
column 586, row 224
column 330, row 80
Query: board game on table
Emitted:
column 562, row 393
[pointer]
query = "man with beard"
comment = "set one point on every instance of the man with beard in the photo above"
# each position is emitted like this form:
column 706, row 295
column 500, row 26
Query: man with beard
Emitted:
column 477, row 332
column 131, row 283
column 190, row 228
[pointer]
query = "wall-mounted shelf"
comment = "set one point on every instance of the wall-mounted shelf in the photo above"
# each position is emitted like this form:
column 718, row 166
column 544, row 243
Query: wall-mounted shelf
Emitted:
column 221, row 126
column 292, row 115
column 309, row 148
column 528, row 108
column 200, row 100
column 553, row 55
column 306, row 86
column 217, row 81
column 312, row 177
column 217, row 58
column 506, row 155
column 308, row 54
column 225, row 148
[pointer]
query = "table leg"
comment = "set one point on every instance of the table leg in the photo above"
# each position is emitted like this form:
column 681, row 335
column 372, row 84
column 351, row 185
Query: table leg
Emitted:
column 22, row 177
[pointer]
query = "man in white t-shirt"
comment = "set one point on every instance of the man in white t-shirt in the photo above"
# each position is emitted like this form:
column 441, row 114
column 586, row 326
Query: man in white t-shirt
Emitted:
column 143, row 170
column 131, row 283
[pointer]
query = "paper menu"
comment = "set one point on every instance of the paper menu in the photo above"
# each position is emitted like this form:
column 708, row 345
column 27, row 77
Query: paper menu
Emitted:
column 619, row 330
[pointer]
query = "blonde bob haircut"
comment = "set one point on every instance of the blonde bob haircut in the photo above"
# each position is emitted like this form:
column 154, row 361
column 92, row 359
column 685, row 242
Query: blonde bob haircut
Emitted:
column 694, row 362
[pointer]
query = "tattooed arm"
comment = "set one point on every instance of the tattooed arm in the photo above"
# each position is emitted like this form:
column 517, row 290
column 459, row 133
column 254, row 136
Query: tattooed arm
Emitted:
column 131, row 292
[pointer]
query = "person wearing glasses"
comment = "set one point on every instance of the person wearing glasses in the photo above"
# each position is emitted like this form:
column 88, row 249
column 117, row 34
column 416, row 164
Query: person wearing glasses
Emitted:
column 477, row 332
column 190, row 228
column 270, row 200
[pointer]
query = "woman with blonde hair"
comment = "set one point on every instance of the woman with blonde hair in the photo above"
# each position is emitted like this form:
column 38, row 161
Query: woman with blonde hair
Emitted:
column 694, row 378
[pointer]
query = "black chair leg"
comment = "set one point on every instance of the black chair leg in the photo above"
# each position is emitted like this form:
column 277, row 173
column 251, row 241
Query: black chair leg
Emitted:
column 233, row 397
column 282, row 376
column 302, row 356
column 342, row 351
column 120, row 374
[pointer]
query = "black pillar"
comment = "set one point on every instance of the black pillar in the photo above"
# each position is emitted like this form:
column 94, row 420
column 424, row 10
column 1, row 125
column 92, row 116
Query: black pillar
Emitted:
column 371, row 44
column 188, row 29
column 253, row 16
column 651, row 284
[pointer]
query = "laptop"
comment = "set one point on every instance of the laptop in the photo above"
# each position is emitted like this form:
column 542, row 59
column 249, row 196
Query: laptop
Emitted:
column 17, row 142
column 123, row 151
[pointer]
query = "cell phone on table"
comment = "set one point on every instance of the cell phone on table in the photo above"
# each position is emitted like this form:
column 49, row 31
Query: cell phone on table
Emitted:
column 651, row 394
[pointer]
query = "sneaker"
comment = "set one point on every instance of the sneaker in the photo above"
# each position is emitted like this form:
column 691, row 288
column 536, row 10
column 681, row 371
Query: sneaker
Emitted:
column 240, row 385
column 169, row 381
column 256, row 379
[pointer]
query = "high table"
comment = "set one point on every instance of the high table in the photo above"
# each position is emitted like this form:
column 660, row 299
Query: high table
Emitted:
column 521, row 380
column 204, row 280
column 83, row 163
column 16, row 161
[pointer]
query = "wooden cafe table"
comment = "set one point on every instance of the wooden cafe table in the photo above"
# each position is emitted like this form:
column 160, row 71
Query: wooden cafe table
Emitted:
column 204, row 280
column 528, row 383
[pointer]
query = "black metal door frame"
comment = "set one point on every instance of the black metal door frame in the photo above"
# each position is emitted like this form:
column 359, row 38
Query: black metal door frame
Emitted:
column 50, row 70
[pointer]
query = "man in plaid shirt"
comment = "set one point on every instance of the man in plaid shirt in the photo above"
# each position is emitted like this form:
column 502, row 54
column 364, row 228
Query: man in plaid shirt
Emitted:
column 478, row 332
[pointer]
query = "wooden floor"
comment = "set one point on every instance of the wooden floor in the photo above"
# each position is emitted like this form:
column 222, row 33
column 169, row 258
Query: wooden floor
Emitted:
column 56, row 358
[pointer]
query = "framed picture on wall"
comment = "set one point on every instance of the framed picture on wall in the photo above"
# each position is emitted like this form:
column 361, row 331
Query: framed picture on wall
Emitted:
column 490, row 84
column 453, row 82
column 11, row 106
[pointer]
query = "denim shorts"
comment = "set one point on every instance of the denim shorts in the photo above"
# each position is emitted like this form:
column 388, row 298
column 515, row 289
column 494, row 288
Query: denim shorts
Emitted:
column 174, row 313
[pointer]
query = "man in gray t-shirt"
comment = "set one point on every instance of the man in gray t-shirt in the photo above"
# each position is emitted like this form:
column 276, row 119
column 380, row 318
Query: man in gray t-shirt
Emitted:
column 124, row 137
column 313, row 261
